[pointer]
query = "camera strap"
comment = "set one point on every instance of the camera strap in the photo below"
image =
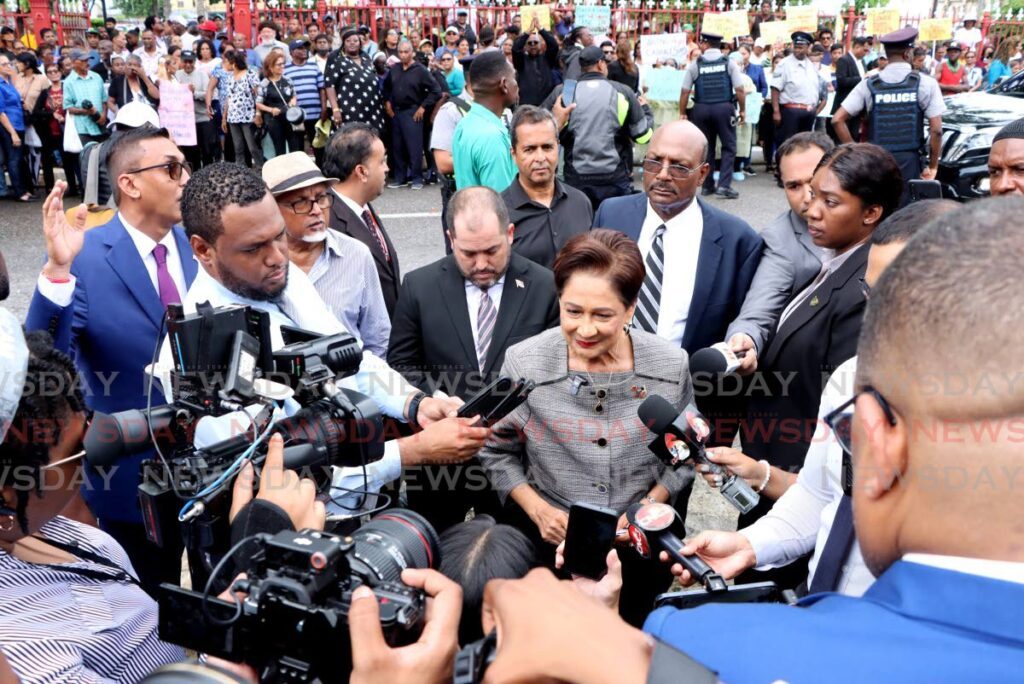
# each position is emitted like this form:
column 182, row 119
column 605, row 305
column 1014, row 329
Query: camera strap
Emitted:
column 120, row 574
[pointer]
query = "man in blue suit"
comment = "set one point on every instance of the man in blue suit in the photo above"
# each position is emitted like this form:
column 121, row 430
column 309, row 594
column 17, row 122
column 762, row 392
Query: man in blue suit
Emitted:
column 936, row 506
column 699, row 259
column 102, row 295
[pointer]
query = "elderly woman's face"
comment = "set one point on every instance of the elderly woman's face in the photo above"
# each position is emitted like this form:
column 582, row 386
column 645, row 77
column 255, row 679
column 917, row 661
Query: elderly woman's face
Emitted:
column 593, row 316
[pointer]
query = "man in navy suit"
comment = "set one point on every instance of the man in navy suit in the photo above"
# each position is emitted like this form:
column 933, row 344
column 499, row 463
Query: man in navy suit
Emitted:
column 706, row 258
column 102, row 295
column 936, row 479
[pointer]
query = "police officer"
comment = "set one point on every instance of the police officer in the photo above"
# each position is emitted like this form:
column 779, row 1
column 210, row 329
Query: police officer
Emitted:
column 796, row 91
column 897, row 101
column 718, row 83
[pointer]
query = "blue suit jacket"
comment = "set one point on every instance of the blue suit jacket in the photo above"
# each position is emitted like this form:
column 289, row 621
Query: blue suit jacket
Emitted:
column 110, row 329
column 915, row 624
column 729, row 253
column 756, row 74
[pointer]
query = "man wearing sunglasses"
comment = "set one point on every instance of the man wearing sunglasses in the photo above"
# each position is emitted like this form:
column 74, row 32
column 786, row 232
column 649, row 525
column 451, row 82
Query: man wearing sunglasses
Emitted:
column 102, row 295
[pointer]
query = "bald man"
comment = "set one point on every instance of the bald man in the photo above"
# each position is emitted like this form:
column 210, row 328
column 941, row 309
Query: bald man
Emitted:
column 1006, row 160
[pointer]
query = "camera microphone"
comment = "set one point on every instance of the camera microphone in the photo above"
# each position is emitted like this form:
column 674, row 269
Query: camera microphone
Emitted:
column 578, row 381
column 717, row 359
column 655, row 526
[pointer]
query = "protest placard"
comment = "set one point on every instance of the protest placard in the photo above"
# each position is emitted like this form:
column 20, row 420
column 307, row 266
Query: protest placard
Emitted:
column 177, row 112
column 663, row 84
column 597, row 18
column 801, row 19
column 882, row 20
column 775, row 32
column 726, row 24
column 663, row 46
column 542, row 12
column 935, row 29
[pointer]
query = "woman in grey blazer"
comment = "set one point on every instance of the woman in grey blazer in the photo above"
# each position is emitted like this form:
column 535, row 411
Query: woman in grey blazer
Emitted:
column 578, row 438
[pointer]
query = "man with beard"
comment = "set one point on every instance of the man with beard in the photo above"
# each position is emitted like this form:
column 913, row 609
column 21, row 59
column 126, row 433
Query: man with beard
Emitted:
column 350, row 75
column 240, row 239
column 535, row 56
column 545, row 211
column 340, row 267
column 321, row 48
column 135, row 265
column 491, row 298
column 1006, row 160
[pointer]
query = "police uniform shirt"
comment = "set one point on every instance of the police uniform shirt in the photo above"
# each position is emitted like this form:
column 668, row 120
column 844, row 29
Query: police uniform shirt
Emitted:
column 712, row 54
column 798, row 81
column 928, row 94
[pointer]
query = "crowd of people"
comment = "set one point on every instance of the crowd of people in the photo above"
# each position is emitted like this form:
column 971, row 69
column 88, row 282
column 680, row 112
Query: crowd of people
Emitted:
column 869, row 398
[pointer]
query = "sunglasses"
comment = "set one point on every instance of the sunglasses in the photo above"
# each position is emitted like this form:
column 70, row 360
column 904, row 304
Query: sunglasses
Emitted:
column 840, row 421
column 174, row 169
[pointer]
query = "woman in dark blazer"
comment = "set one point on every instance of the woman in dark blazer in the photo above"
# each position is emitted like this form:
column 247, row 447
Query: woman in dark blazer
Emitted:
column 578, row 438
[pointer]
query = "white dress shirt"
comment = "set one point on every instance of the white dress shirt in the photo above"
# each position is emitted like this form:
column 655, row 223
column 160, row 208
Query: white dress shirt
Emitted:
column 682, row 249
column 61, row 294
column 802, row 517
column 351, row 204
column 474, row 296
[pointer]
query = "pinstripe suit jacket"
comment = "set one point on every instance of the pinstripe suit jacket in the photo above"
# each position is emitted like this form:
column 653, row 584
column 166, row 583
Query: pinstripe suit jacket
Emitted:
column 569, row 452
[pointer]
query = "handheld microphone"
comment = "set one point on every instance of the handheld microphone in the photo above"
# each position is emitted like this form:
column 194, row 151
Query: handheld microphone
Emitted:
column 654, row 526
column 682, row 436
column 717, row 359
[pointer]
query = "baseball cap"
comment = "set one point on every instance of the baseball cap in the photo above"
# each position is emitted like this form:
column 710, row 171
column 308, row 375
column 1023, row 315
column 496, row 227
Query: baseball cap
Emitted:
column 188, row 56
column 591, row 56
column 77, row 54
column 452, row 29
column 298, row 44
column 208, row 25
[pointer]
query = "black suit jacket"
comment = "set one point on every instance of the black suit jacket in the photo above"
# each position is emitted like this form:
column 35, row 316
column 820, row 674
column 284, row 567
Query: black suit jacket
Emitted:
column 847, row 78
column 344, row 220
column 431, row 337
column 816, row 338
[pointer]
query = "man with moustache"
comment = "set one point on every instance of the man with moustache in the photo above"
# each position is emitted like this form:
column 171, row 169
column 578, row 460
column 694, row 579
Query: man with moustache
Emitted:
column 545, row 211
column 341, row 268
column 1006, row 160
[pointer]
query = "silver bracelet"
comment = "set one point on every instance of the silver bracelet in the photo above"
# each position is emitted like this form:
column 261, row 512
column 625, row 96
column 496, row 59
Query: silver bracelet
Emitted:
column 767, row 475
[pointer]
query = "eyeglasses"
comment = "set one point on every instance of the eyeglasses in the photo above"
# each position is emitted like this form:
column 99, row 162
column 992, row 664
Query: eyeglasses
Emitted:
column 305, row 205
column 174, row 169
column 840, row 421
column 675, row 171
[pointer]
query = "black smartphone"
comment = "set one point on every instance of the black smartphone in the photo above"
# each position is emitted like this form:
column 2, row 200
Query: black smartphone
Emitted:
column 568, row 92
column 486, row 400
column 588, row 538
column 921, row 189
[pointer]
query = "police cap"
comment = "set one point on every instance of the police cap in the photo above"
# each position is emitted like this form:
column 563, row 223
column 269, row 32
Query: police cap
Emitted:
column 801, row 37
column 899, row 40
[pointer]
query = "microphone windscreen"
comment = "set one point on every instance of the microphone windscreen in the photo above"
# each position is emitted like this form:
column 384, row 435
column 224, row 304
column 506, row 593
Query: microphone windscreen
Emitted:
column 708, row 360
column 657, row 413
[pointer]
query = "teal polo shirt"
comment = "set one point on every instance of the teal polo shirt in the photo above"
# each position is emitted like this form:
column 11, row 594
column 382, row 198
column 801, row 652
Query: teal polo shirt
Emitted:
column 482, row 151
column 78, row 89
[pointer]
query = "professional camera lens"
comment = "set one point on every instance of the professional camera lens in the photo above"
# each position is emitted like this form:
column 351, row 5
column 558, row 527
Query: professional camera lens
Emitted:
column 396, row 534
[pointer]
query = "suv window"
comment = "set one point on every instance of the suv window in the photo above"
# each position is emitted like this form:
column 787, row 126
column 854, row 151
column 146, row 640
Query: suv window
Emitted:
column 1014, row 85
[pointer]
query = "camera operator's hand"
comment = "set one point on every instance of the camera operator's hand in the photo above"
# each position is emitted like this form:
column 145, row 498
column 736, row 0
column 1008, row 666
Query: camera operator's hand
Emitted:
column 741, row 342
column 607, row 589
column 728, row 553
column 433, row 409
column 430, row 659
column 549, row 630
column 737, row 462
column 449, row 440
column 63, row 240
column 283, row 488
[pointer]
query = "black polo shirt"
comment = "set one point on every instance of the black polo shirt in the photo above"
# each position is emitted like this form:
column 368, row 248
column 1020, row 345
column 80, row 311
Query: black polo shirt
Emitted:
column 542, row 231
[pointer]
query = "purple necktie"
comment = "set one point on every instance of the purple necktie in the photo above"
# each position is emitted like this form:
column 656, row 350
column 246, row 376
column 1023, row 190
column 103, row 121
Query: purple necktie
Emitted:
column 168, row 290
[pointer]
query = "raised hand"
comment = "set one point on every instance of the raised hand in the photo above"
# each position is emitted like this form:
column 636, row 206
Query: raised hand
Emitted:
column 64, row 240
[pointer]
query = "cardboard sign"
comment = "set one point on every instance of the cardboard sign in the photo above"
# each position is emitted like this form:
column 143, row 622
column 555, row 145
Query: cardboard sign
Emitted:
column 542, row 12
column 801, row 19
column 663, row 84
column 726, row 24
column 882, row 20
column 177, row 112
column 597, row 18
column 935, row 29
column 775, row 32
column 664, row 46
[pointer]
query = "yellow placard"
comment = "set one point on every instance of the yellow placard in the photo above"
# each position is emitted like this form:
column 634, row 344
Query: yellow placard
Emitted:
column 882, row 20
column 726, row 24
column 935, row 29
column 542, row 12
column 775, row 32
column 802, row 19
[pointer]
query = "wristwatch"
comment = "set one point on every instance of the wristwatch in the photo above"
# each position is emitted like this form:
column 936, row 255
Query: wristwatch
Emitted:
column 414, row 408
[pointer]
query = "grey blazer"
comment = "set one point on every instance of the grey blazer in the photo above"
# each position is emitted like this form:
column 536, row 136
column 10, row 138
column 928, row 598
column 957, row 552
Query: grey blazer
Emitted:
column 790, row 260
column 567, row 450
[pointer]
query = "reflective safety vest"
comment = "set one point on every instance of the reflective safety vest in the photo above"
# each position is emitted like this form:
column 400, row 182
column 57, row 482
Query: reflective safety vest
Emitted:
column 896, row 121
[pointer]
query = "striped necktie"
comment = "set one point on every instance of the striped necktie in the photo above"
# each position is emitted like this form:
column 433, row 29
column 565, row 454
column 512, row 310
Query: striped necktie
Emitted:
column 371, row 225
column 649, row 301
column 485, row 318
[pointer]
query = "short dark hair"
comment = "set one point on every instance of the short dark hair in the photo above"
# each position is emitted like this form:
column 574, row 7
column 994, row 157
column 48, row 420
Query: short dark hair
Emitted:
column 349, row 147
column 487, row 69
column 799, row 143
column 474, row 553
column 603, row 252
column 240, row 60
column 52, row 393
column 527, row 115
column 860, row 40
column 213, row 188
column 867, row 172
column 29, row 61
column 123, row 150
column 911, row 219
column 477, row 200
column 920, row 52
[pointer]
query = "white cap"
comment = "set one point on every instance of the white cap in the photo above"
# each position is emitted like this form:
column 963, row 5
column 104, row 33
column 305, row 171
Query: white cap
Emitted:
column 971, row 16
column 135, row 114
column 13, row 367
column 177, row 19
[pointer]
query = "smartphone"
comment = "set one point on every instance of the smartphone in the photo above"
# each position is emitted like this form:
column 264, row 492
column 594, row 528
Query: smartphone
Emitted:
column 588, row 538
column 925, row 189
column 568, row 93
column 486, row 400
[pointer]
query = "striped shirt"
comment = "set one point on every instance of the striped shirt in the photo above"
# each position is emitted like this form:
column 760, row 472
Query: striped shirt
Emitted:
column 345, row 277
column 308, row 82
column 58, row 626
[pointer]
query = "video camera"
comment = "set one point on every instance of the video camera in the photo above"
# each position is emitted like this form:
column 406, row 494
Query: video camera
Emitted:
column 224, row 362
column 292, row 624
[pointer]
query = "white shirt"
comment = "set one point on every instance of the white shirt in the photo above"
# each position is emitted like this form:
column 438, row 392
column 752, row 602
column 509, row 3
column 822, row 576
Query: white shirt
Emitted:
column 802, row 517
column 969, row 36
column 474, row 295
column 151, row 62
column 351, row 204
column 1004, row 571
column 682, row 248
